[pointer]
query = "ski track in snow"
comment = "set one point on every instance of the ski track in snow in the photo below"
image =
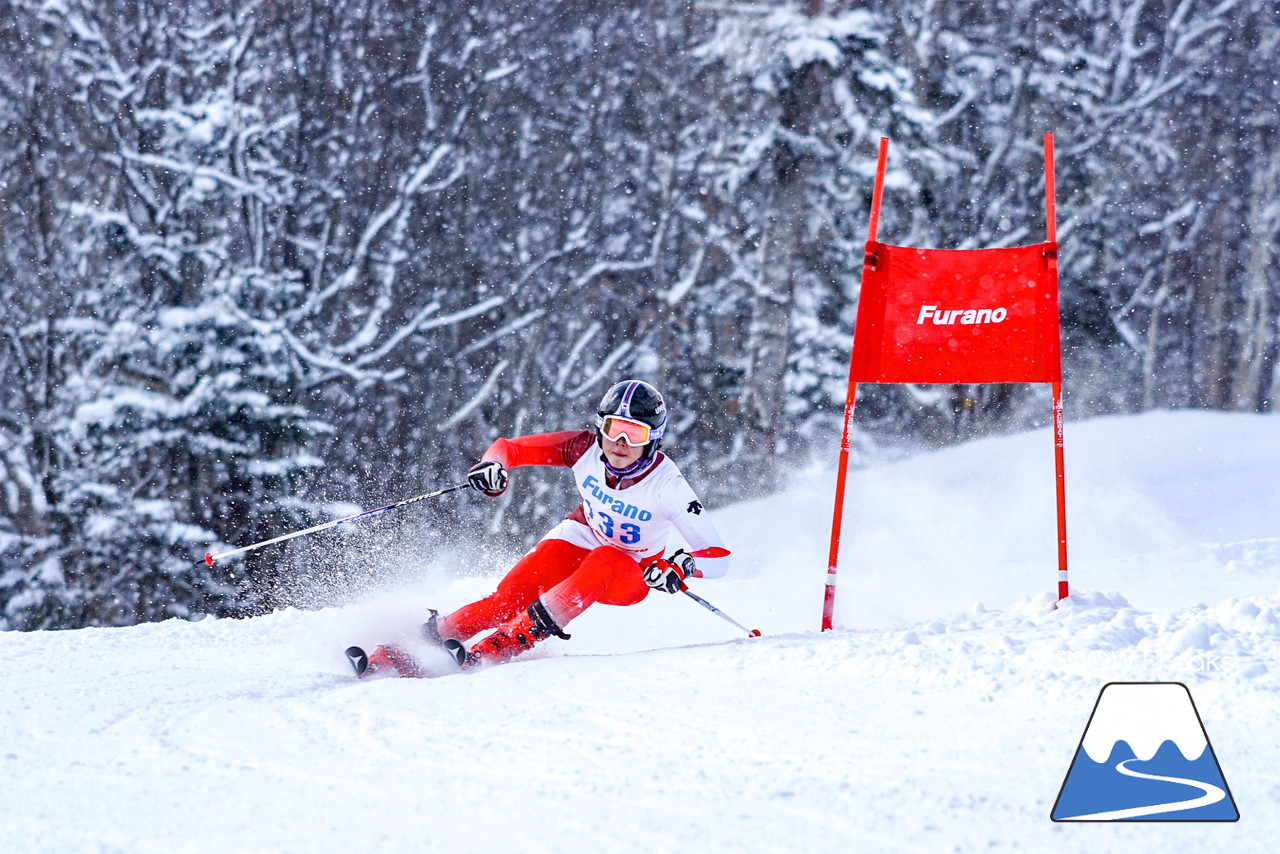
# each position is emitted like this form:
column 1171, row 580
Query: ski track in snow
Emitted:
column 932, row 723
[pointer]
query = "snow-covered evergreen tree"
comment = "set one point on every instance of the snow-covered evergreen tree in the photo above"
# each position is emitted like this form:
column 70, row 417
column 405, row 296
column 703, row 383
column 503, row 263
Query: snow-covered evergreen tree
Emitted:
column 805, row 100
column 175, row 418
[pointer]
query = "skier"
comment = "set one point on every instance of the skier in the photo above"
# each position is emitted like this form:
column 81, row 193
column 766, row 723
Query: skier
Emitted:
column 609, row 549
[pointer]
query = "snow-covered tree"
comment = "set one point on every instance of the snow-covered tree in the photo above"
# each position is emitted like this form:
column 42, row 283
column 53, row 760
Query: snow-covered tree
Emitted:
column 184, row 402
column 805, row 99
column 1158, row 121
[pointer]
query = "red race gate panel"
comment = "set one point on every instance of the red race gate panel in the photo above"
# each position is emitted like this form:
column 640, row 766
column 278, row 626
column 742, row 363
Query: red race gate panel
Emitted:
column 957, row 316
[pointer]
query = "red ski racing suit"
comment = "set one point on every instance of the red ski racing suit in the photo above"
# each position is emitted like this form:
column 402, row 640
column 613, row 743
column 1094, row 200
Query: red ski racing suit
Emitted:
column 593, row 555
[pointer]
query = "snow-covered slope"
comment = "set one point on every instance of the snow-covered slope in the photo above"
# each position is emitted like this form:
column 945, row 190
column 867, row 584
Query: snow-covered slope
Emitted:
column 930, row 722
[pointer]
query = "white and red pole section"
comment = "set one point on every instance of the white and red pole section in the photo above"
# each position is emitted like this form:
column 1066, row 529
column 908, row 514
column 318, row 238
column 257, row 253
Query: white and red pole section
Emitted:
column 842, row 467
column 1051, row 236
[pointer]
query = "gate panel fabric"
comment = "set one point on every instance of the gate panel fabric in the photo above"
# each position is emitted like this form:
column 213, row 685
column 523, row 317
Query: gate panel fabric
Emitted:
column 957, row 316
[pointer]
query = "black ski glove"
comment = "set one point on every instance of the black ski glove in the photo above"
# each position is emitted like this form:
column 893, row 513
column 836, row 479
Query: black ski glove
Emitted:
column 489, row 477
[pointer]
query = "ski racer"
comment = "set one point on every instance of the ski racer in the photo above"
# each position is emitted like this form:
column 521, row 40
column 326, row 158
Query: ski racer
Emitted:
column 609, row 549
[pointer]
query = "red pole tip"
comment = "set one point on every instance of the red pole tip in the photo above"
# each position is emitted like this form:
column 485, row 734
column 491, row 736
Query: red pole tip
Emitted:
column 755, row 633
column 208, row 558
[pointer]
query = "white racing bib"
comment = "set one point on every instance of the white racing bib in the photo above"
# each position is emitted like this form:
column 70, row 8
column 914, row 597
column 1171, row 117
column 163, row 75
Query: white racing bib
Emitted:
column 639, row 519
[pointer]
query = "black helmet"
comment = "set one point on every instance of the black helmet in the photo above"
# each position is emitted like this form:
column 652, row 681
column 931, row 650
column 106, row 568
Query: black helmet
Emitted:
column 637, row 401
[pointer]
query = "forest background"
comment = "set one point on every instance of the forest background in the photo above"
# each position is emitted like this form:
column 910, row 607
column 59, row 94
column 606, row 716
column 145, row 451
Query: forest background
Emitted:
column 267, row 261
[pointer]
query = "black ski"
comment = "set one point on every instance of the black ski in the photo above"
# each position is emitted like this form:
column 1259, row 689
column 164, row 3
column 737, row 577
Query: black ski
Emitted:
column 359, row 661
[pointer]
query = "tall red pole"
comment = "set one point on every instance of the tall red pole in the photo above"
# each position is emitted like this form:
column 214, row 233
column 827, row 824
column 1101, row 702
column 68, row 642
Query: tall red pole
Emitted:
column 1050, row 221
column 833, row 556
column 1060, row 470
column 873, row 224
column 1051, row 235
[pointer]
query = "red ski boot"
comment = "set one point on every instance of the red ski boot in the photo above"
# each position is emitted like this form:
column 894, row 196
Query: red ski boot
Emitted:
column 509, row 639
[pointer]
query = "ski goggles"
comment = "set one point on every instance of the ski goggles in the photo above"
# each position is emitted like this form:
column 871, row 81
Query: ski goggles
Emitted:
column 618, row 429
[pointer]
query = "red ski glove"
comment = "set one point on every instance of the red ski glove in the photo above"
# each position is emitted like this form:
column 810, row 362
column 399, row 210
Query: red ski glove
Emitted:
column 668, row 574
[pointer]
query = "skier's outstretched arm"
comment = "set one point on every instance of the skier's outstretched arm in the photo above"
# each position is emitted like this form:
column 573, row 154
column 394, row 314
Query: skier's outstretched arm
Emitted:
column 562, row 448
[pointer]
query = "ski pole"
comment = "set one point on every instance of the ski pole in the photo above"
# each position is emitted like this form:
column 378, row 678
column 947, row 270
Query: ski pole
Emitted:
column 209, row 557
column 715, row 551
column 751, row 633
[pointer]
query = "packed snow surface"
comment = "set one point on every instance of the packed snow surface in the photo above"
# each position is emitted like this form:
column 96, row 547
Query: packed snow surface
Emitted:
column 942, row 715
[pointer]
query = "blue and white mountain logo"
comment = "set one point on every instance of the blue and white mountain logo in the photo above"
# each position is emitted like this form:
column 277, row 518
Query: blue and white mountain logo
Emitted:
column 1145, row 756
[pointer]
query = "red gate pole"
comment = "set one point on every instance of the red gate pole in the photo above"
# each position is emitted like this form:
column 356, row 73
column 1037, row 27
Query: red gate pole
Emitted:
column 1051, row 235
column 1060, row 471
column 833, row 557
